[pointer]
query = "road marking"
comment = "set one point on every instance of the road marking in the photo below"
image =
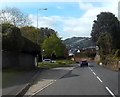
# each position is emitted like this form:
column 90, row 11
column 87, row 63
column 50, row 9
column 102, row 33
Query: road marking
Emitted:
column 43, row 88
column 99, row 79
column 94, row 73
column 110, row 91
column 101, row 82
column 90, row 69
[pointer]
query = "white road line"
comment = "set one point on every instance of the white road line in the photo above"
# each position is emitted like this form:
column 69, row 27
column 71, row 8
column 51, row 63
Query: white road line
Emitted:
column 94, row 73
column 99, row 79
column 101, row 82
column 43, row 88
column 90, row 69
column 110, row 91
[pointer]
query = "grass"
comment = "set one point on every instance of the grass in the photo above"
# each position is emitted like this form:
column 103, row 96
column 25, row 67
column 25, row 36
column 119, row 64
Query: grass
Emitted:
column 58, row 63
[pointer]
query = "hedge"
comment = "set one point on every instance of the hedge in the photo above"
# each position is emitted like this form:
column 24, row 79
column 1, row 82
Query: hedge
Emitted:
column 12, row 40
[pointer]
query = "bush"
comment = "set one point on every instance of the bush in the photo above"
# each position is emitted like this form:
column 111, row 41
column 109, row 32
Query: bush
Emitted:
column 117, row 53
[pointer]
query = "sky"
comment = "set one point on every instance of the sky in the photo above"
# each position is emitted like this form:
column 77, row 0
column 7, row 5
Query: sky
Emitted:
column 72, row 18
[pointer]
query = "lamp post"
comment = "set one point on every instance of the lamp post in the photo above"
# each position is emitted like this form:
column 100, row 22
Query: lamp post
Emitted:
column 37, row 30
column 42, row 54
column 37, row 18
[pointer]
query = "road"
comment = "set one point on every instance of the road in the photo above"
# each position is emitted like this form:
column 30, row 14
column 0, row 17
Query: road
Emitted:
column 92, row 80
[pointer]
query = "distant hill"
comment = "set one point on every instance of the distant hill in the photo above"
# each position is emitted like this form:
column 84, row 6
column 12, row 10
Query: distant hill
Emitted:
column 78, row 42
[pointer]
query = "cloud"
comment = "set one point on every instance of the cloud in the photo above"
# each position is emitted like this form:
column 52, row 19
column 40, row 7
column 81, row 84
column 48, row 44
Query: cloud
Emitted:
column 77, row 26
column 60, row 7
column 92, row 10
column 44, row 21
column 57, row 0
column 72, row 26
column 86, row 6
column 82, row 26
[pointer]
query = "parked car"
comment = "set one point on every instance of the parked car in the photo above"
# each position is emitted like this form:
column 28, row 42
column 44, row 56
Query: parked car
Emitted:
column 47, row 60
column 84, row 63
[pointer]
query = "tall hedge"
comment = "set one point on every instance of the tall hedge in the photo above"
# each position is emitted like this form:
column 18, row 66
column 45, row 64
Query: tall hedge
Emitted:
column 12, row 40
column 30, row 47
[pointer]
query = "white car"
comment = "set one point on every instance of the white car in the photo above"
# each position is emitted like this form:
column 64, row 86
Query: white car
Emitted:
column 47, row 60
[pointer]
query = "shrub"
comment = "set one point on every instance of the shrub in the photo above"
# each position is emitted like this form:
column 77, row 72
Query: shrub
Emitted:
column 117, row 53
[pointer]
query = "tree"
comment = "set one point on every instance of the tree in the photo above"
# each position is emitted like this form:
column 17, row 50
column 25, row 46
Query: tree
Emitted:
column 32, row 34
column 106, row 23
column 53, row 45
column 47, row 32
column 105, row 43
column 6, row 26
column 14, row 16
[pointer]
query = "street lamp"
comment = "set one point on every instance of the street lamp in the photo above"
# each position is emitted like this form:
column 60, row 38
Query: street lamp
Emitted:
column 37, row 19
column 37, row 29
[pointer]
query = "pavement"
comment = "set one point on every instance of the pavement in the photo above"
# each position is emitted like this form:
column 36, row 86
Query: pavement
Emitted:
column 47, row 78
column 17, row 87
column 13, row 84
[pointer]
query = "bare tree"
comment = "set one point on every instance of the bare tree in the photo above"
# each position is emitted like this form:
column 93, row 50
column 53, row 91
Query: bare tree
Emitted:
column 14, row 16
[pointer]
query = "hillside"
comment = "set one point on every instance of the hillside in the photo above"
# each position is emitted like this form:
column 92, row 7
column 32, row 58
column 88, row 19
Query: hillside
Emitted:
column 78, row 42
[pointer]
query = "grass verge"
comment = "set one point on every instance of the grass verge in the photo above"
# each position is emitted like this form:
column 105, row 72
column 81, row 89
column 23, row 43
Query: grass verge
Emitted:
column 58, row 63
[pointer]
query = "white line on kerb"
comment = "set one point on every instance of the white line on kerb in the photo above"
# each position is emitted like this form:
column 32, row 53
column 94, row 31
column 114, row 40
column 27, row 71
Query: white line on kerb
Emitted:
column 94, row 73
column 99, row 79
column 110, row 91
column 43, row 88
